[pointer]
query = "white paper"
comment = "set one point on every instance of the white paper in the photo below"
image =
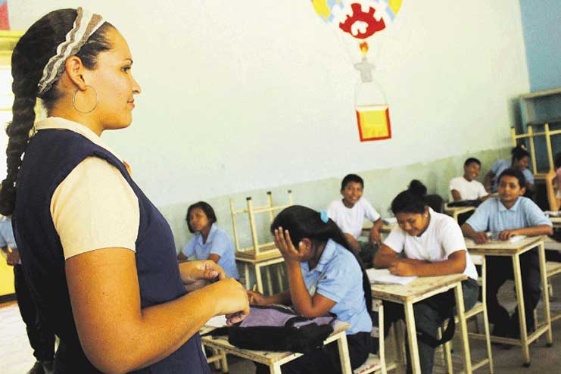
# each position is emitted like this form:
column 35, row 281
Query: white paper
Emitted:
column 217, row 321
column 384, row 276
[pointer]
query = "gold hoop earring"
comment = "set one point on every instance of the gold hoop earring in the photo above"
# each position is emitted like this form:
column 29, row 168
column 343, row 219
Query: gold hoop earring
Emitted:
column 85, row 111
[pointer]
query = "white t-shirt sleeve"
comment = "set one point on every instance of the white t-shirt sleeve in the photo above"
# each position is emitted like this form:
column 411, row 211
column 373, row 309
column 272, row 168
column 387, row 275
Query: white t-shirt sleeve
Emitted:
column 451, row 237
column 369, row 211
column 94, row 207
column 396, row 240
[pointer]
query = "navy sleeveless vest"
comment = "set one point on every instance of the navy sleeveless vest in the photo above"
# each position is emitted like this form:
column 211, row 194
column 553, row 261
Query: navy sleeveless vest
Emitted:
column 49, row 157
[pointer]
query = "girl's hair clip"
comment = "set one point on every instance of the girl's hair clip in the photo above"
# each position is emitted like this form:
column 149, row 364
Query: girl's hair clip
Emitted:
column 324, row 217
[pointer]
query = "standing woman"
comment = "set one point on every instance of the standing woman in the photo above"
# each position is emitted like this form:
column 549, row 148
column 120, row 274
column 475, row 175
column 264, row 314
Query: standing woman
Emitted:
column 431, row 244
column 98, row 255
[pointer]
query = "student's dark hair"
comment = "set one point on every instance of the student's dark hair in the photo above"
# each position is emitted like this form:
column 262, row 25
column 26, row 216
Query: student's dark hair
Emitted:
column 557, row 161
column 303, row 222
column 412, row 200
column 206, row 208
column 472, row 160
column 30, row 55
column 351, row 178
column 519, row 152
column 511, row 172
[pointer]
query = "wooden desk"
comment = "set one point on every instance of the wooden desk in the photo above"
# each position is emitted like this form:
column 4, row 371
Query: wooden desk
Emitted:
column 274, row 360
column 257, row 265
column 420, row 289
column 514, row 250
column 455, row 212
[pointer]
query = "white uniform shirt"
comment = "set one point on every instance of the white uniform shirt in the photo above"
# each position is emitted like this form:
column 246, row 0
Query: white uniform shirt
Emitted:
column 350, row 220
column 442, row 237
column 94, row 207
column 469, row 190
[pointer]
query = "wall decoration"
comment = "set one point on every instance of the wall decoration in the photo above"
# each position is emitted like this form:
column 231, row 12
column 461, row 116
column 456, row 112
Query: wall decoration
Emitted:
column 4, row 20
column 359, row 22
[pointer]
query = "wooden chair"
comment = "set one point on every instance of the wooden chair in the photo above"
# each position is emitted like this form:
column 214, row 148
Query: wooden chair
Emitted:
column 479, row 309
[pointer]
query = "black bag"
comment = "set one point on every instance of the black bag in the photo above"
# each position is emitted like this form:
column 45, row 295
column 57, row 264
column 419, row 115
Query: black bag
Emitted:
column 279, row 328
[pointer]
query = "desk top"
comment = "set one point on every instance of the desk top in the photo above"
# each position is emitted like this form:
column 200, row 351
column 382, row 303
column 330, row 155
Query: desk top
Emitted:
column 420, row 289
column 457, row 209
column 504, row 248
column 266, row 357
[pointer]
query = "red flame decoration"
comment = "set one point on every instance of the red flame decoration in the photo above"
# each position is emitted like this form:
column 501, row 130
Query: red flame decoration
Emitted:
column 373, row 26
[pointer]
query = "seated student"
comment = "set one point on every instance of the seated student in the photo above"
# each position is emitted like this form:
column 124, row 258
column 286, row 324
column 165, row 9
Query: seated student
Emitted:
column 508, row 215
column 349, row 214
column 324, row 275
column 426, row 243
column 467, row 187
column 553, row 185
column 520, row 161
column 210, row 241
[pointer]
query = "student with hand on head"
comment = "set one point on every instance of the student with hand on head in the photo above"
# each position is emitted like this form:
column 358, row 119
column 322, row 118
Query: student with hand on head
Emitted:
column 467, row 187
column 98, row 256
column 426, row 243
column 210, row 242
column 508, row 215
column 520, row 161
column 349, row 214
column 324, row 275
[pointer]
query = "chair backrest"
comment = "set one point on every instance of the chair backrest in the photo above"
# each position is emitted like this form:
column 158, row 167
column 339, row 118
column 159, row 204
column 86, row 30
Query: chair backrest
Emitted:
column 436, row 202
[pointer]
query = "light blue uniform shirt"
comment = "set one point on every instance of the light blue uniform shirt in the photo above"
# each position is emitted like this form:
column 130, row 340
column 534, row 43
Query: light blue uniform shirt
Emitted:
column 7, row 233
column 493, row 216
column 219, row 243
column 338, row 277
column 498, row 167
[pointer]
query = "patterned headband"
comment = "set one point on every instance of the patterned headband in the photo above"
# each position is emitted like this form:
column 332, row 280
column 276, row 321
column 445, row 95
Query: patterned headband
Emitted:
column 85, row 24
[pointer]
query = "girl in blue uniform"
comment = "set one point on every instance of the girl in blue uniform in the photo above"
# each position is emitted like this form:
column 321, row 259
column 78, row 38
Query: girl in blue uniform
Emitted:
column 210, row 240
column 323, row 276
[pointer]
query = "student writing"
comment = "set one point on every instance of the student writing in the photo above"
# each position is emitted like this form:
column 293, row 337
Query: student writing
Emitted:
column 431, row 244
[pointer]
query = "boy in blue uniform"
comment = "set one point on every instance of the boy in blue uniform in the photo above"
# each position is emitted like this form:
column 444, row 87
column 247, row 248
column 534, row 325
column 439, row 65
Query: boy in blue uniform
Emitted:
column 508, row 215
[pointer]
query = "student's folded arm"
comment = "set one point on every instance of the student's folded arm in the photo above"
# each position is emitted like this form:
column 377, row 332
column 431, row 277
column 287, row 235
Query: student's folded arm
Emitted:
column 454, row 264
column 384, row 257
column 534, row 231
column 117, row 335
column 456, row 195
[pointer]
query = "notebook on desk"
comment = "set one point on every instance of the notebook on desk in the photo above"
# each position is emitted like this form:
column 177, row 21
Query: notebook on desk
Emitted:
column 494, row 238
column 383, row 276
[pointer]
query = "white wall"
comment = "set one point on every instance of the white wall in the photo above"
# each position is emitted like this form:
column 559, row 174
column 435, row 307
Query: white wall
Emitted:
column 251, row 94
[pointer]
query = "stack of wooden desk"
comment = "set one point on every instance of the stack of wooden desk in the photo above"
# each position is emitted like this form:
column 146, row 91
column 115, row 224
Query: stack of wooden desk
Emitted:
column 514, row 250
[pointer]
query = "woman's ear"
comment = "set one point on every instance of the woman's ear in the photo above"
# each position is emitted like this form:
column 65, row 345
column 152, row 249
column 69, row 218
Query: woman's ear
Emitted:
column 74, row 69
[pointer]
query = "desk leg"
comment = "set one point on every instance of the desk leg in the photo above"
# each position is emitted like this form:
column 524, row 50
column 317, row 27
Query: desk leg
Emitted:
column 521, row 311
column 275, row 368
column 463, row 326
column 412, row 337
column 246, row 275
column 545, row 293
column 258, row 278
column 344, row 354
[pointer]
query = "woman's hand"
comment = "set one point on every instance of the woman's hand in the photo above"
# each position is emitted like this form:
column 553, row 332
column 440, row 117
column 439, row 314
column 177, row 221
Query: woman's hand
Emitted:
column 198, row 274
column 285, row 246
column 231, row 299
